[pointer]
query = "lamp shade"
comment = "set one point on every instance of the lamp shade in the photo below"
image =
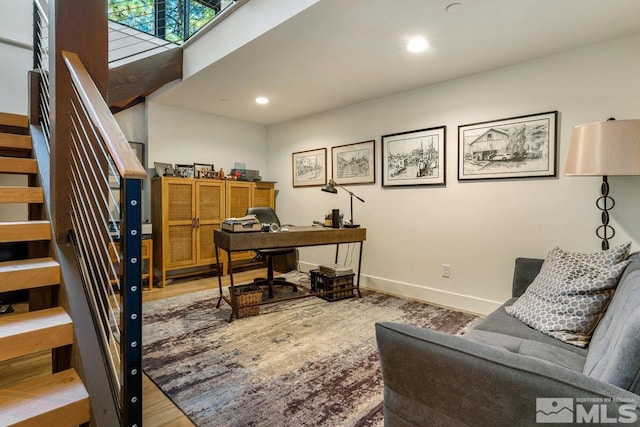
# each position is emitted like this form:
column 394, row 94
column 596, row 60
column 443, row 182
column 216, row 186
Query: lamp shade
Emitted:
column 605, row 148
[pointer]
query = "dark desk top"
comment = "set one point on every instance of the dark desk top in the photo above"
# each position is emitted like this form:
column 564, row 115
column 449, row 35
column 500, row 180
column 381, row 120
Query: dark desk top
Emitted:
column 295, row 237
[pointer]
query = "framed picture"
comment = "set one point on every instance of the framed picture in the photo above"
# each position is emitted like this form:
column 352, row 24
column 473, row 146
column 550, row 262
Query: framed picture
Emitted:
column 163, row 169
column 184, row 171
column 201, row 170
column 415, row 157
column 354, row 163
column 309, row 167
column 517, row 147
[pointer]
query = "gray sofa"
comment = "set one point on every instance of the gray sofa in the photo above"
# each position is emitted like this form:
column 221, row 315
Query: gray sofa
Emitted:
column 503, row 373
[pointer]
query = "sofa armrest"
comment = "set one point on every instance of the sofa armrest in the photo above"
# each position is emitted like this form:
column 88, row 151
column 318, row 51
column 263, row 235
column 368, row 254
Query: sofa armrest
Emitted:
column 432, row 378
column 525, row 271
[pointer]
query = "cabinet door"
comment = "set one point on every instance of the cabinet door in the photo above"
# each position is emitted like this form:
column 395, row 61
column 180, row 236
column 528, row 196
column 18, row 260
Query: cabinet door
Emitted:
column 180, row 197
column 264, row 194
column 210, row 213
column 239, row 198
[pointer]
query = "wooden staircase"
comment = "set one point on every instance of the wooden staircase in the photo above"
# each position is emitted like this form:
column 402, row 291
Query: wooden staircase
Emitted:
column 58, row 398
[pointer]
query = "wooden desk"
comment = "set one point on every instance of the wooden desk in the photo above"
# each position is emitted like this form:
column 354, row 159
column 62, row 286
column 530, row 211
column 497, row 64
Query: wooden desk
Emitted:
column 295, row 237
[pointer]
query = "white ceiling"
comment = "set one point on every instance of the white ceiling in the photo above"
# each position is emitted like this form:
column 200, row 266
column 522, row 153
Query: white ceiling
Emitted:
column 341, row 52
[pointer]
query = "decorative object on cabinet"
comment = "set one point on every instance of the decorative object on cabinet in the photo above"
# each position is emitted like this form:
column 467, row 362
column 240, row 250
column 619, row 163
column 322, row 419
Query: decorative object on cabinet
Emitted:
column 331, row 188
column 204, row 171
column 163, row 169
column 185, row 212
column 354, row 163
column 517, row 147
column 414, row 157
column 309, row 167
column 603, row 149
column 184, row 171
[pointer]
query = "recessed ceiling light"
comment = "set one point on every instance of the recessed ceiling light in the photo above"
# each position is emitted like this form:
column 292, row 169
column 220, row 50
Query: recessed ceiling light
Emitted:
column 262, row 100
column 417, row 44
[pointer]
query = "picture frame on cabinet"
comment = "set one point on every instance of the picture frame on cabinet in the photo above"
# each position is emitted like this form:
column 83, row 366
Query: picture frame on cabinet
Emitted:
column 416, row 157
column 184, row 171
column 354, row 163
column 309, row 168
column 515, row 147
column 202, row 170
column 163, row 169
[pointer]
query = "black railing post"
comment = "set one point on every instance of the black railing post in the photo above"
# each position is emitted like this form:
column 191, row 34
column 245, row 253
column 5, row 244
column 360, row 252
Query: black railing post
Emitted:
column 160, row 12
column 131, row 292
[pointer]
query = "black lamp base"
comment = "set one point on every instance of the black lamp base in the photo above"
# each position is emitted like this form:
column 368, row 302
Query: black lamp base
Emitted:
column 351, row 225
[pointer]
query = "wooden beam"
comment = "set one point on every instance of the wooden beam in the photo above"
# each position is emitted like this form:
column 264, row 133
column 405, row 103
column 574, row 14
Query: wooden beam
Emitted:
column 142, row 77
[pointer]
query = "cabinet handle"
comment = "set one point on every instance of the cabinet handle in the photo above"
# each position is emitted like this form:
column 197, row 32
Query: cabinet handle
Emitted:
column 193, row 222
column 198, row 222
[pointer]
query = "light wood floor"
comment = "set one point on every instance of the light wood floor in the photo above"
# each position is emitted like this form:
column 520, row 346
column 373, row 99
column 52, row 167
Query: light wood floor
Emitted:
column 158, row 410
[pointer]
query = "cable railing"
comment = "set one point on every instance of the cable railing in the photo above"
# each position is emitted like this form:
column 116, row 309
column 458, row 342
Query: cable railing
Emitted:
column 41, row 63
column 172, row 20
column 106, row 183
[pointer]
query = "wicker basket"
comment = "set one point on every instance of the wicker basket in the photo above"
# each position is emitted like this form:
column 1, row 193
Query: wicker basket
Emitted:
column 248, row 294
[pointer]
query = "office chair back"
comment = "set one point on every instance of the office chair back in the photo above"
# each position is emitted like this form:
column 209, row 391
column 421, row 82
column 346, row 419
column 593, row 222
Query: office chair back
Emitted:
column 265, row 214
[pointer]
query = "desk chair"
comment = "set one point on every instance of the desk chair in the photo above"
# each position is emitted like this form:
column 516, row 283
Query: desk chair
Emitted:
column 266, row 215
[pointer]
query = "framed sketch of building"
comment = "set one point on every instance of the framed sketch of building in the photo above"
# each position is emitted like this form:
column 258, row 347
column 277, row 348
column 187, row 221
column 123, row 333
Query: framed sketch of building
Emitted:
column 517, row 147
column 354, row 163
column 309, row 167
column 415, row 157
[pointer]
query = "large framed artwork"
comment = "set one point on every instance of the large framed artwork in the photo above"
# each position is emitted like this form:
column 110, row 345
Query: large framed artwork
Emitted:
column 354, row 163
column 309, row 167
column 415, row 157
column 517, row 147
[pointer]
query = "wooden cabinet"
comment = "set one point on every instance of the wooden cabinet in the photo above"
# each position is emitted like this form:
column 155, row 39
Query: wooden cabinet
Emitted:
column 186, row 211
column 184, row 214
column 242, row 195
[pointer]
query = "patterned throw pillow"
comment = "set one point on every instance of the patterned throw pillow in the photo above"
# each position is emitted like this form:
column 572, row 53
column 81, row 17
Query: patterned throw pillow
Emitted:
column 570, row 294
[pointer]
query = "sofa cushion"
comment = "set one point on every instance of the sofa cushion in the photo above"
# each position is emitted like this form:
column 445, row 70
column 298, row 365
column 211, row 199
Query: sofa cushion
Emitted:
column 614, row 351
column 502, row 323
column 568, row 297
column 547, row 352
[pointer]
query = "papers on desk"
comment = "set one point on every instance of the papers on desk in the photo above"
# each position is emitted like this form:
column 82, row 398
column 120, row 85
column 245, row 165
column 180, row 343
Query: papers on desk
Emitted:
column 243, row 224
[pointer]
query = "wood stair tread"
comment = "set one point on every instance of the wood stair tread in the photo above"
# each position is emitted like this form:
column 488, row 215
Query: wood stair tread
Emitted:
column 34, row 331
column 28, row 273
column 24, row 231
column 14, row 120
column 11, row 194
column 59, row 399
column 18, row 165
column 16, row 142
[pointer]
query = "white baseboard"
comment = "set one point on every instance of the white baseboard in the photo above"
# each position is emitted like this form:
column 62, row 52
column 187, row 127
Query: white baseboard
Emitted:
column 421, row 293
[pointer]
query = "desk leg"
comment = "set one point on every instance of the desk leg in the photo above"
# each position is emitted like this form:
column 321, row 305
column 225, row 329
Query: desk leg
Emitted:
column 337, row 249
column 219, row 277
column 359, row 267
column 234, row 305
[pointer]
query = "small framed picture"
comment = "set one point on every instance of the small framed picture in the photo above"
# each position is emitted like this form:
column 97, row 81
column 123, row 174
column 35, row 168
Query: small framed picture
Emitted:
column 201, row 170
column 309, row 167
column 354, row 163
column 415, row 157
column 163, row 169
column 184, row 171
column 517, row 147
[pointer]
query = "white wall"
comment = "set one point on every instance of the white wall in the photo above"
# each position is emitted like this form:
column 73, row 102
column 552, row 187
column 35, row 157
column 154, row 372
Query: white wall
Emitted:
column 15, row 51
column 476, row 227
column 177, row 135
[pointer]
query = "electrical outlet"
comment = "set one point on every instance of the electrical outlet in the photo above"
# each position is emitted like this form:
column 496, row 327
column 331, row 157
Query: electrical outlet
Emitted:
column 446, row 270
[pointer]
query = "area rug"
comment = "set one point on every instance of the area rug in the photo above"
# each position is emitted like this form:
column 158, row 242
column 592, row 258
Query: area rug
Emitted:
column 305, row 362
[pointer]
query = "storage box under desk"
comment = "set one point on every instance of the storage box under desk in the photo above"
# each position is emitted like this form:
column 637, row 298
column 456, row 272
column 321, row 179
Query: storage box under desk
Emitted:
column 342, row 285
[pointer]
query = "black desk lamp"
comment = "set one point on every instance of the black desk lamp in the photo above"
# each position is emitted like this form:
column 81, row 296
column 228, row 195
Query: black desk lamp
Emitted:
column 331, row 188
